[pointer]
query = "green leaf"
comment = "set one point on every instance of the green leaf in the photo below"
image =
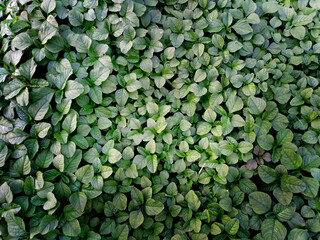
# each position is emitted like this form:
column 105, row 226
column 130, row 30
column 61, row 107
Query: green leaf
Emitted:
column 242, row 27
column 292, row 184
column 72, row 228
column 298, row 234
column 13, row 88
column 6, row 195
column 3, row 153
column 73, row 89
column 260, row 202
column 146, row 65
column 78, row 200
column 44, row 159
column 290, row 159
column 192, row 156
column 136, row 219
column 185, row 125
column 234, row 104
column 28, row 68
column 71, row 164
column 40, row 105
column 120, row 201
column 22, row 41
column 47, row 224
column 153, row 207
column 272, row 229
column 5, row 126
column 16, row 226
column 48, row 30
column 266, row 142
column 70, row 122
column 85, row 174
column 81, row 42
column 256, row 105
column 75, row 18
column 200, row 75
column 267, row 174
column 315, row 172
column 114, row 155
column 232, row 226
column 245, row 147
column 193, row 200
column 152, row 163
column 48, row 5
column 23, row 165
column 121, row 96
column 310, row 137
column 298, row 32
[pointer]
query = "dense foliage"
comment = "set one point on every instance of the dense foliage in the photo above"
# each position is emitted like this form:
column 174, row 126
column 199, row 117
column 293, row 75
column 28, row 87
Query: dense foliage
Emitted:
column 169, row 119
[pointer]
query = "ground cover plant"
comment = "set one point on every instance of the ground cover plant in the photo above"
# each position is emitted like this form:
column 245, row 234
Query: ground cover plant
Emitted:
column 159, row 119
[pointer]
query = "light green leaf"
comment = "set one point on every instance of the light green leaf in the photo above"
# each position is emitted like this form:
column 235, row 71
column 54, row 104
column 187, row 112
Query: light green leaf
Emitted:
column 16, row 226
column 234, row 104
column 85, row 174
column 200, row 75
column 245, row 147
column 270, row 7
column 48, row 5
column 3, row 153
column 41, row 101
column 28, row 68
column 114, row 155
column 298, row 32
column 152, row 163
column 265, row 141
column 203, row 128
column 192, row 200
column 75, row 18
column 242, row 27
column 146, row 65
column 121, row 96
column 136, row 219
column 153, row 207
column 256, row 105
column 70, row 122
column 78, row 200
column 6, row 195
column 184, row 125
column 192, row 156
column 48, row 29
column 22, row 41
column 72, row 228
column 23, row 165
column 73, row 89
column 12, row 88
column 51, row 201
column 232, row 226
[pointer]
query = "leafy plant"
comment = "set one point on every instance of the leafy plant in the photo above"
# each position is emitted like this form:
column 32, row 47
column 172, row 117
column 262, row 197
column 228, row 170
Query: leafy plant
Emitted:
column 176, row 119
